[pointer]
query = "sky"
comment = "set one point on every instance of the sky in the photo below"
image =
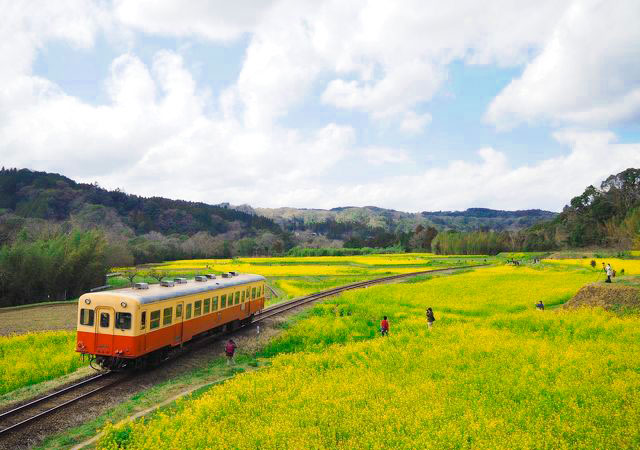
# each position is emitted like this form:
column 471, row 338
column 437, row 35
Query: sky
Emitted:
column 410, row 105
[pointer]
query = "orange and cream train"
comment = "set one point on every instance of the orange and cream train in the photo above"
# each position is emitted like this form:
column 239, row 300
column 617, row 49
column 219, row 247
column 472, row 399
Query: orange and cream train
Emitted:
column 138, row 325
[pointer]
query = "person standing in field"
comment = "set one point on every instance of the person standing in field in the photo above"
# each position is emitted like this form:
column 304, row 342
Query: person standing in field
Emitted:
column 430, row 317
column 230, row 350
column 384, row 326
column 609, row 271
column 540, row 306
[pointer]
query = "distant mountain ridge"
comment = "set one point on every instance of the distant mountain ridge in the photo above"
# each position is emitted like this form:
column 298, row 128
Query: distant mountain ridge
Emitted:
column 399, row 221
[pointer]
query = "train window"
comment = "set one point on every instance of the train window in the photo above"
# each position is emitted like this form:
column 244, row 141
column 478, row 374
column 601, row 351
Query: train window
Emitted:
column 215, row 304
column 207, row 305
column 237, row 297
column 253, row 293
column 104, row 319
column 223, row 301
column 242, row 296
column 166, row 316
column 87, row 317
column 143, row 320
column 248, row 293
column 155, row 319
column 123, row 320
column 188, row 315
column 179, row 311
column 197, row 308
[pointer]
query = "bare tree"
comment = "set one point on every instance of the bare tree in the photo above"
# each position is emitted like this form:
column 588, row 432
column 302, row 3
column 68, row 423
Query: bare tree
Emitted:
column 157, row 274
column 130, row 274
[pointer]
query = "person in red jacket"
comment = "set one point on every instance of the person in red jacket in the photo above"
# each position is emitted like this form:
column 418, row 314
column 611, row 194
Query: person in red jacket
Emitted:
column 230, row 350
column 384, row 326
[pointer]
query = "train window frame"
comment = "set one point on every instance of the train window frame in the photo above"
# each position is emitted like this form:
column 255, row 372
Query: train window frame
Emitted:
column 243, row 296
column 91, row 316
column 223, row 301
column 143, row 320
column 214, row 304
column 123, row 320
column 206, row 307
column 102, row 316
column 188, row 313
column 167, row 316
column 178, row 311
column 253, row 293
column 154, row 319
column 248, row 293
column 237, row 297
column 197, row 308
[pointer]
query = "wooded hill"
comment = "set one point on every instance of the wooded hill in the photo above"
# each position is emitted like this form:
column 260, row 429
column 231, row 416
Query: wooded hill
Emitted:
column 473, row 219
column 138, row 229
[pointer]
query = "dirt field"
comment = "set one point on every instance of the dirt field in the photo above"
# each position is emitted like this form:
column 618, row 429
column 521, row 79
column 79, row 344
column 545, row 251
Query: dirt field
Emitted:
column 614, row 296
column 38, row 318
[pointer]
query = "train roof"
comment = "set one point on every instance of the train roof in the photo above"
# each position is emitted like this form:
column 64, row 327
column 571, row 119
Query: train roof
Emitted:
column 157, row 293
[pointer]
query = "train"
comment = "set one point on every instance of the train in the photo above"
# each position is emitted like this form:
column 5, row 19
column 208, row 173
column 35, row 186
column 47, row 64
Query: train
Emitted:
column 140, row 325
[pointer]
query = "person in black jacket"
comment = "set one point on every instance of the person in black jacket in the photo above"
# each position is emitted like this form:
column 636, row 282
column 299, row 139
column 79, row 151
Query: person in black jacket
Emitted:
column 430, row 317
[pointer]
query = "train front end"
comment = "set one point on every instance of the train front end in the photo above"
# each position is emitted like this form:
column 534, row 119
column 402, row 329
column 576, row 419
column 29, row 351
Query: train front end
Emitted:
column 106, row 331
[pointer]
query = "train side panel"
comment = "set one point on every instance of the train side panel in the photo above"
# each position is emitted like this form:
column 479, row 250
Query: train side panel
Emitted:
column 111, row 325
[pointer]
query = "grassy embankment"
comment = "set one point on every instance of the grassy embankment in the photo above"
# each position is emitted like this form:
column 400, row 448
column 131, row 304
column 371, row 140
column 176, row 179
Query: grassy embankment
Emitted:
column 493, row 372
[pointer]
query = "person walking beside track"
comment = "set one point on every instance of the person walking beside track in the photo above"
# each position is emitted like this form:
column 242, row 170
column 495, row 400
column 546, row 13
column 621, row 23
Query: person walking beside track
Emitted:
column 230, row 350
column 609, row 271
column 384, row 326
column 430, row 317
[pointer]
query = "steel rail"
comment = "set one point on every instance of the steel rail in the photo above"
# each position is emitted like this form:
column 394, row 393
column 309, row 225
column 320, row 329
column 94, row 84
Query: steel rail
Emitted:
column 55, row 408
column 13, row 411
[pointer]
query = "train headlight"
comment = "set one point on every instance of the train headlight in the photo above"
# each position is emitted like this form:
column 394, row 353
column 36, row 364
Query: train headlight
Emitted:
column 123, row 304
column 87, row 300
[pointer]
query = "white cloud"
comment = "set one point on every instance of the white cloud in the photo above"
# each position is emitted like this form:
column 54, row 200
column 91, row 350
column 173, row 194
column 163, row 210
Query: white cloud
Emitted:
column 384, row 155
column 413, row 123
column 492, row 182
column 217, row 20
column 587, row 73
column 381, row 58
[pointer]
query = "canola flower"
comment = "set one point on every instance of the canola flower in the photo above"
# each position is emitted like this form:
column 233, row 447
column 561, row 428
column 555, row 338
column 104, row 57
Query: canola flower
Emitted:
column 630, row 266
column 374, row 265
column 30, row 358
column 407, row 259
column 493, row 373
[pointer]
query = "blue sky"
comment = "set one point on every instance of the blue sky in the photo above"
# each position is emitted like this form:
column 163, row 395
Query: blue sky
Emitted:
column 310, row 104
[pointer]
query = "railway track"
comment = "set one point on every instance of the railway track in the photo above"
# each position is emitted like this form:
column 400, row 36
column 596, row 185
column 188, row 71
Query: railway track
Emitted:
column 34, row 410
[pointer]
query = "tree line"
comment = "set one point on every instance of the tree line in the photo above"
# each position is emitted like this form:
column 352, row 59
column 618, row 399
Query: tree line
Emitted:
column 51, row 268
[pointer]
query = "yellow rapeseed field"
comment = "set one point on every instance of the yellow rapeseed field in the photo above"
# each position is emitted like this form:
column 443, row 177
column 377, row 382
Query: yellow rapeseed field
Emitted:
column 30, row 358
column 630, row 266
column 492, row 373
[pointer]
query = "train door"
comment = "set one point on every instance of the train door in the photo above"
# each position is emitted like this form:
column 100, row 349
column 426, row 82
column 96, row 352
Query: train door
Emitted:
column 105, row 322
column 178, row 328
